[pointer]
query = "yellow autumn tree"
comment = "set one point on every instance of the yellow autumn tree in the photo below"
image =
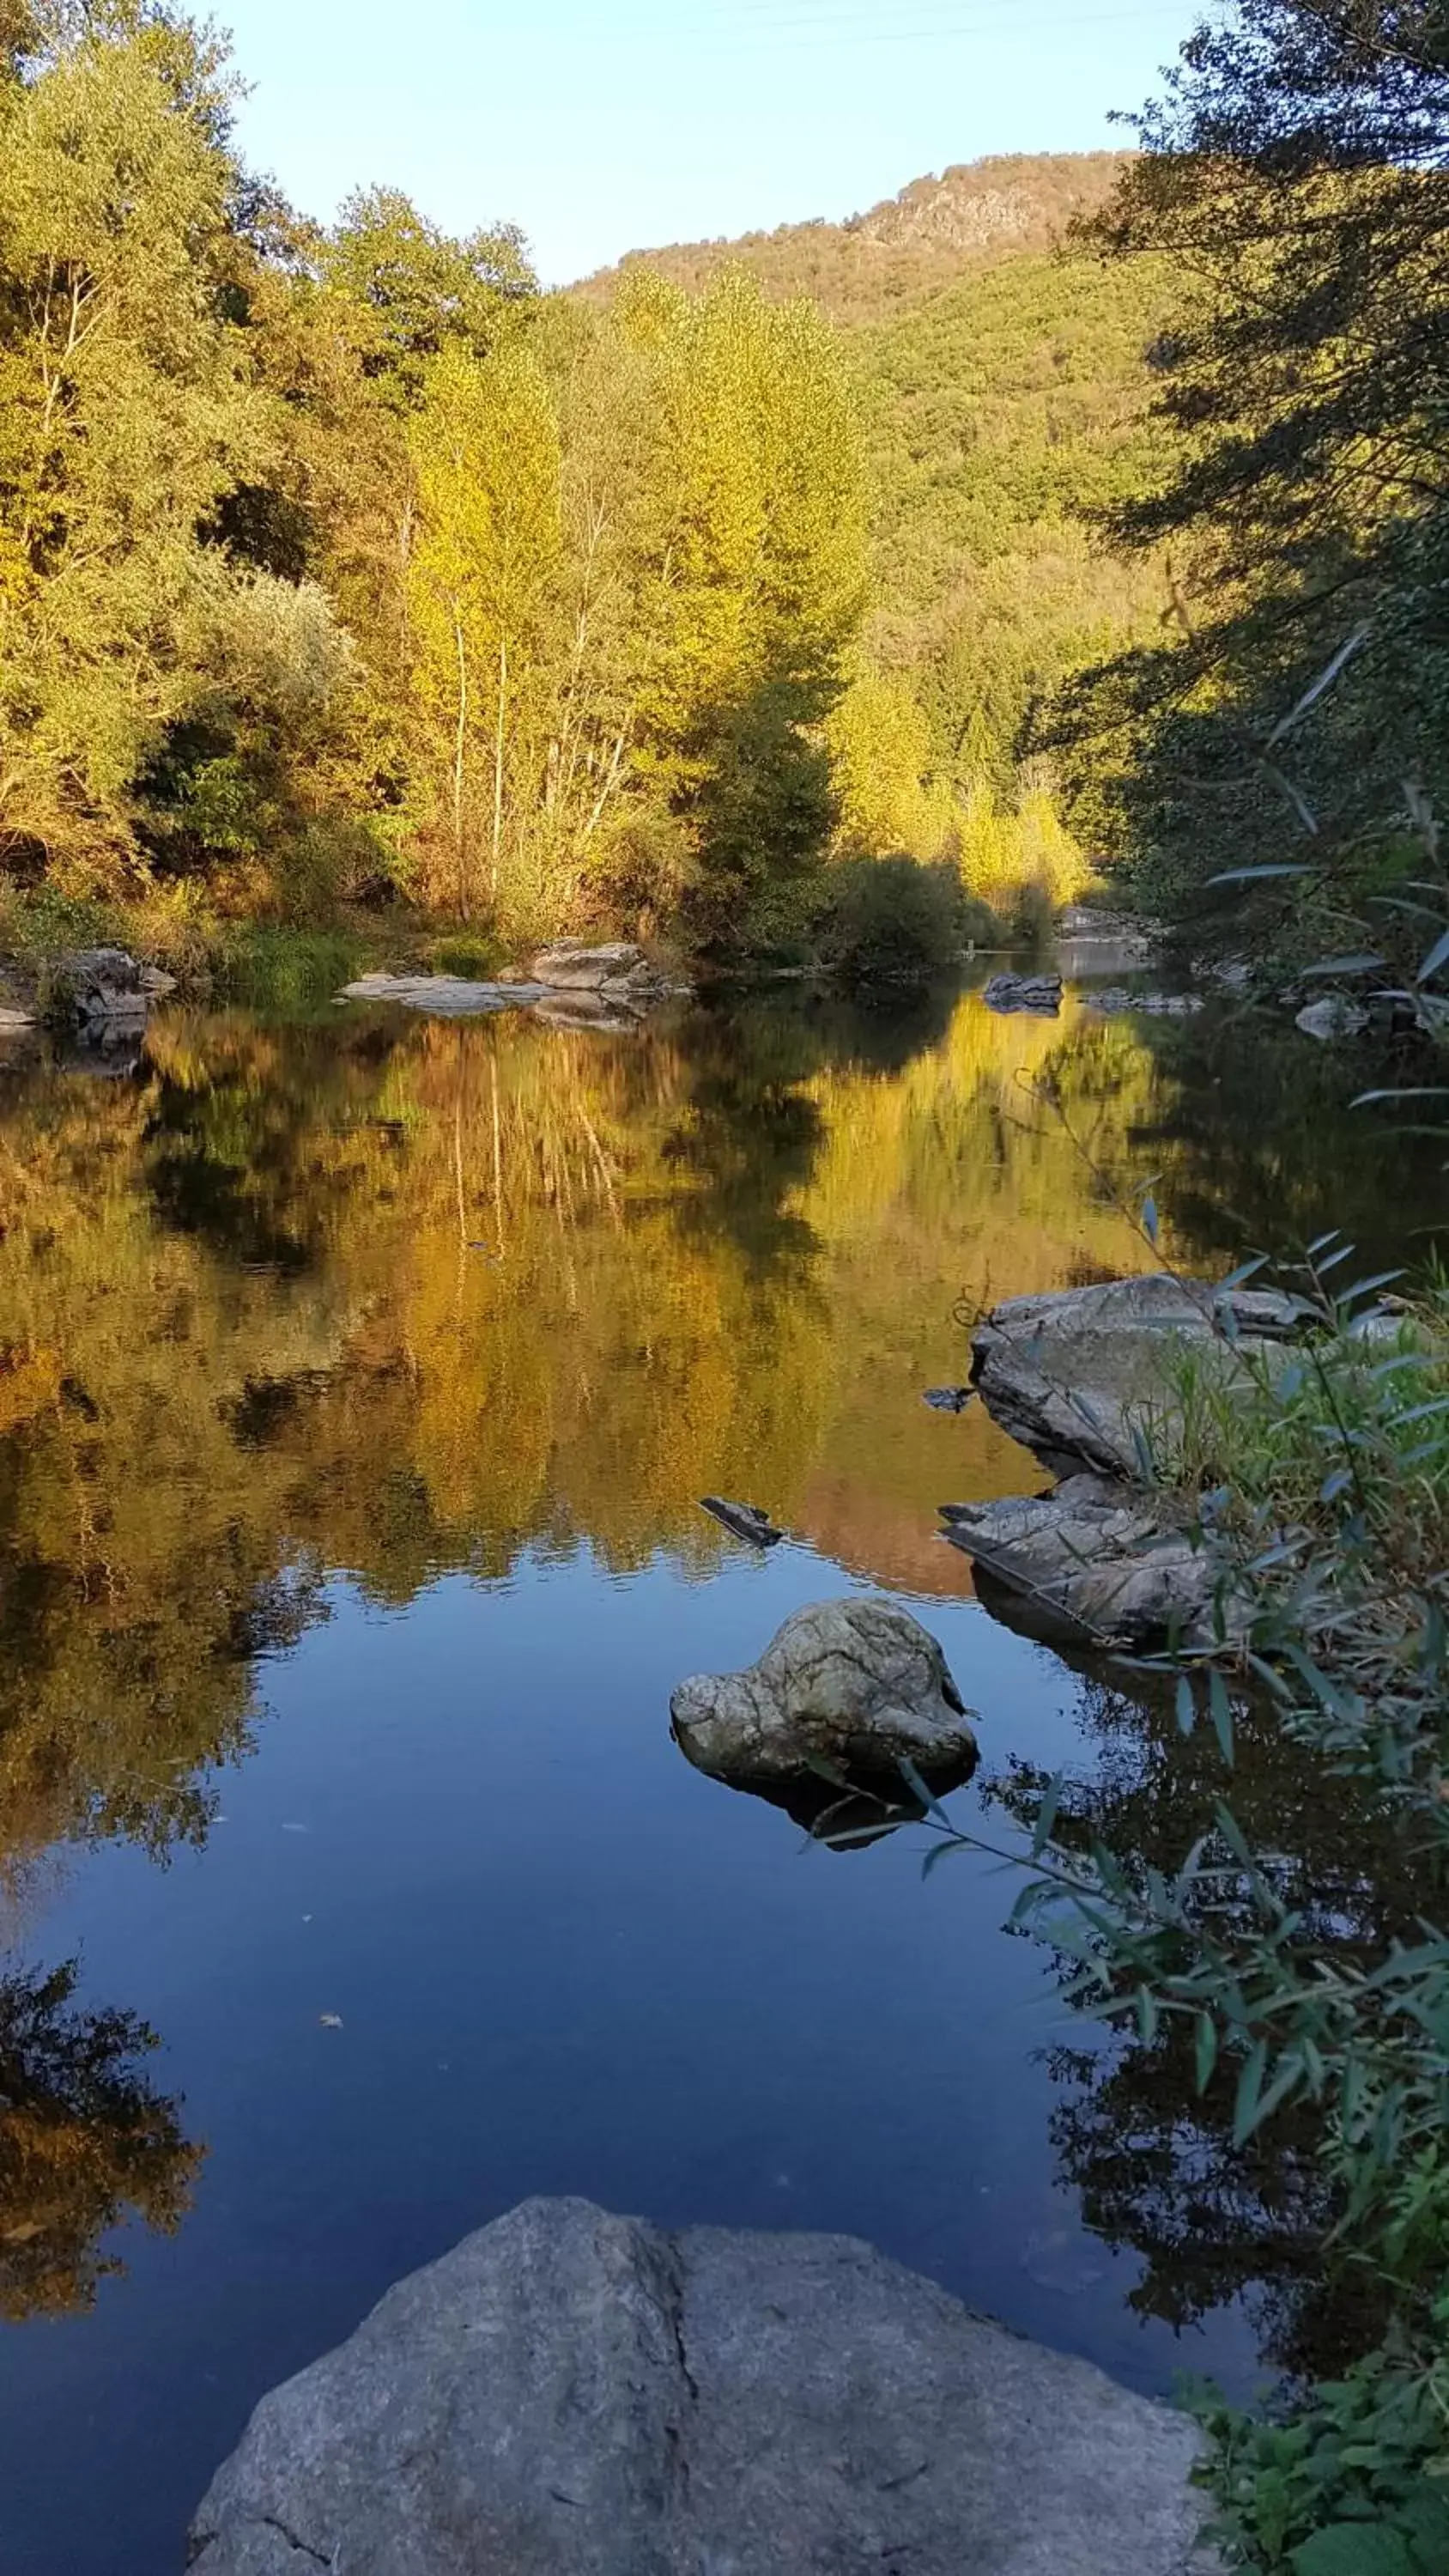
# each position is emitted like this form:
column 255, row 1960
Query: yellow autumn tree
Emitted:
column 482, row 574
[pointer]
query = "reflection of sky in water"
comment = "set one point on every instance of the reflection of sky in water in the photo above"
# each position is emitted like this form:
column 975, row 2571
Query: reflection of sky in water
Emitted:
column 562, row 1960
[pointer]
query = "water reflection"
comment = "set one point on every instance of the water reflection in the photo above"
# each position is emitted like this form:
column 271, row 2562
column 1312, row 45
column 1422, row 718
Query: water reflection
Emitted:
column 294, row 1317
column 1153, row 2156
column 85, row 2143
column 393, row 1299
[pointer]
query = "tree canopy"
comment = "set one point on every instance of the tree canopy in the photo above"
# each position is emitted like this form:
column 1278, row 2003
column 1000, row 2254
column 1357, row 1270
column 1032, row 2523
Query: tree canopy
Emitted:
column 1295, row 180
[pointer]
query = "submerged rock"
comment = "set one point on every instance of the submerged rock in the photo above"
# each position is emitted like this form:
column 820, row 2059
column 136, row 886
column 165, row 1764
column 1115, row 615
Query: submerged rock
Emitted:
column 573, row 2394
column 1090, row 1565
column 949, row 1399
column 1080, row 1375
column 856, row 1683
column 1040, row 994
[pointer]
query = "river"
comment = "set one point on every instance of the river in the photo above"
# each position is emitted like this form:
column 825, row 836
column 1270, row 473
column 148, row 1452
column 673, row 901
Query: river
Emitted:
column 359, row 1380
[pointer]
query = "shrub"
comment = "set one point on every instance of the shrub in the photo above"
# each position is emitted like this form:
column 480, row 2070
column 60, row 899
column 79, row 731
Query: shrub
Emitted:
column 893, row 921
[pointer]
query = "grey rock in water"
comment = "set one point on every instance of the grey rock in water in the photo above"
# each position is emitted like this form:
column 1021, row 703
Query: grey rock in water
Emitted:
column 1038, row 994
column 1080, row 1375
column 572, row 2394
column 855, row 1682
column 15, row 1020
column 949, row 1399
column 571, row 966
column 569, row 986
column 450, row 997
column 743, row 1520
column 1336, row 1015
column 106, row 992
column 1091, row 1565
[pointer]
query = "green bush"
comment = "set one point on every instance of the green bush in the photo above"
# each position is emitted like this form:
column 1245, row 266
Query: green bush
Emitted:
column 472, row 955
column 271, row 966
column 894, row 921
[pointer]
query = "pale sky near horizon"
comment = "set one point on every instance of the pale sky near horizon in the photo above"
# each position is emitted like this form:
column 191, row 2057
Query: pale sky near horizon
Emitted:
column 607, row 125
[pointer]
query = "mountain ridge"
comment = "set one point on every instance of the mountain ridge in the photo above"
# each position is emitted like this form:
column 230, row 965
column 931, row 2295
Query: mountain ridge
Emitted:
column 931, row 232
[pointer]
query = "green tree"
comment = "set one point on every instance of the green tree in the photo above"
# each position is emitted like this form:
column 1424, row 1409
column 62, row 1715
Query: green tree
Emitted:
column 408, row 291
column 1297, row 172
column 128, row 414
column 759, row 587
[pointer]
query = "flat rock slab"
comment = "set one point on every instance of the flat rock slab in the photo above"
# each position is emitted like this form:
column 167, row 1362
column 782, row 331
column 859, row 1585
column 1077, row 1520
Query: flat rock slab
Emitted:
column 1092, row 1564
column 453, row 997
column 1077, row 1375
column 571, row 2394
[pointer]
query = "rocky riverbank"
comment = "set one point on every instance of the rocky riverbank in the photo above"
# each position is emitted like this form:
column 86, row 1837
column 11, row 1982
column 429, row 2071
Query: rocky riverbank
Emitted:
column 1084, row 1379
column 569, row 985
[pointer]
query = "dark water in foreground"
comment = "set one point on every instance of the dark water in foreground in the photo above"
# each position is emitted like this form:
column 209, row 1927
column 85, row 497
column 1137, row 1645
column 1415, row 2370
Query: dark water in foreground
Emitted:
column 357, row 1386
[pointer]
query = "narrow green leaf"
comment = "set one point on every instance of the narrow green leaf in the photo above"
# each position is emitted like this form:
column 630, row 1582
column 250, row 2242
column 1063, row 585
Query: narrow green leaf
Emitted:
column 1244, row 876
column 919, row 1789
column 1046, row 1815
column 1186, row 1703
column 1250, row 2086
column 1423, row 1091
column 1206, row 2049
column 1221, row 1711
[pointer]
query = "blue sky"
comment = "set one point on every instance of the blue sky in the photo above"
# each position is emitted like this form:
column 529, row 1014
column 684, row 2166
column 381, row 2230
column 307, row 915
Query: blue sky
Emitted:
column 603, row 125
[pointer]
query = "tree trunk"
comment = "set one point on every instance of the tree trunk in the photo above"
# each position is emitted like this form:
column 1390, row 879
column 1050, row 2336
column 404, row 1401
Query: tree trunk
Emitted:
column 498, row 744
column 460, row 742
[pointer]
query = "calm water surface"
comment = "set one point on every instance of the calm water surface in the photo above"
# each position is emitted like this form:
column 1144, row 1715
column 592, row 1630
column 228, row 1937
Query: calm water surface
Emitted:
column 358, row 1383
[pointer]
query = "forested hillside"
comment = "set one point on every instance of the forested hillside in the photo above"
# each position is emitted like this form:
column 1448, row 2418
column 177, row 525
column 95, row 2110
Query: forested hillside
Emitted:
column 1004, row 392
column 907, row 247
column 342, row 565
column 1002, row 416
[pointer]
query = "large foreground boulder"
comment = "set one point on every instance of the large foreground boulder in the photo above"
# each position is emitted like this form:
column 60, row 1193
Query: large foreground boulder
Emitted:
column 855, row 1683
column 1081, row 1375
column 571, row 2394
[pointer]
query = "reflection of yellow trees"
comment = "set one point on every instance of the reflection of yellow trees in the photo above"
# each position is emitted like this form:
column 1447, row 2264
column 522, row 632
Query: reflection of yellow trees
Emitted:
column 84, row 2143
column 396, row 1297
